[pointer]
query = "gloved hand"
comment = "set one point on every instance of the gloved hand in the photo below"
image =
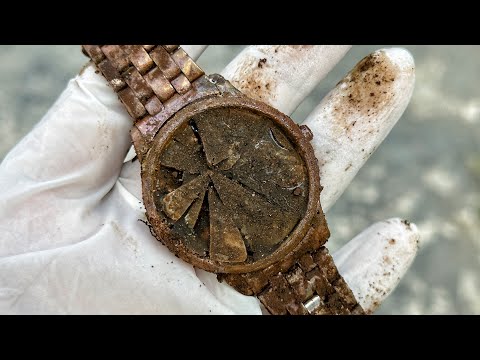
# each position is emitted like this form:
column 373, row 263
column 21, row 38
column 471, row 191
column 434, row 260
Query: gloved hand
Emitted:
column 70, row 201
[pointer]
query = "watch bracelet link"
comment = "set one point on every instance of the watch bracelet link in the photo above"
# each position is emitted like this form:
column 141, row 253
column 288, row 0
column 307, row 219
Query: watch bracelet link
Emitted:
column 312, row 286
column 305, row 282
column 144, row 78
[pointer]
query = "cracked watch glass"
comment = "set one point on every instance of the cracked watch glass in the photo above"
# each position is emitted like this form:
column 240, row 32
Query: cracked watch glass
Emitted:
column 228, row 185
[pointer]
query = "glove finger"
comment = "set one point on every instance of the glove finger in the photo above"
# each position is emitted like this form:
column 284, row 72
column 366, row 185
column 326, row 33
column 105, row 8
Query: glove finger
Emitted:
column 374, row 262
column 281, row 75
column 355, row 117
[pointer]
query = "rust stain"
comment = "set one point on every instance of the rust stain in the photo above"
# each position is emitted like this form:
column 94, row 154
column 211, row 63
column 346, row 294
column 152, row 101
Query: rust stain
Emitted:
column 392, row 241
column 363, row 93
column 387, row 260
column 254, row 79
column 261, row 62
column 257, row 75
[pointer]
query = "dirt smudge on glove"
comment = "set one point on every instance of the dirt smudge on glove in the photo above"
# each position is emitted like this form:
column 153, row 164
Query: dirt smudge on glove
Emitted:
column 254, row 79
column 363, row 94
column 257, row 74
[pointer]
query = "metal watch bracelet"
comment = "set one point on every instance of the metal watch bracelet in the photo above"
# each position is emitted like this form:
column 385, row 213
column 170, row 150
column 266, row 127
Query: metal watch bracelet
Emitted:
column 146, row 78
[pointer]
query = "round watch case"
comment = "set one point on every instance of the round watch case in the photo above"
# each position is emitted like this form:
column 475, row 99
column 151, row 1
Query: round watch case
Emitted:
column 231, row 184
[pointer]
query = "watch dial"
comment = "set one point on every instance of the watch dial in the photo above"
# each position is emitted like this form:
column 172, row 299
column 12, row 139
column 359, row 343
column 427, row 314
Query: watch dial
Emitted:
column 231, row 186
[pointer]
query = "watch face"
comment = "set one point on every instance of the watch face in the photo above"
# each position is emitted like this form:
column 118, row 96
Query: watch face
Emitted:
column 228, row 186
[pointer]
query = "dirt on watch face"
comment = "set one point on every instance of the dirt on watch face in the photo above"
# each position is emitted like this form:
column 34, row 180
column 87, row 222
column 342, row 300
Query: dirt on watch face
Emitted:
column 231, row 185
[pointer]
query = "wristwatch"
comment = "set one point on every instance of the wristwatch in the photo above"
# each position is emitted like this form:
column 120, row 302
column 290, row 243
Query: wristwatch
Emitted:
column 230, row 184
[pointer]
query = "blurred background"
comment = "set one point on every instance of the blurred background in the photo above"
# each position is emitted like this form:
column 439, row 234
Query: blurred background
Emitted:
column 426, row 171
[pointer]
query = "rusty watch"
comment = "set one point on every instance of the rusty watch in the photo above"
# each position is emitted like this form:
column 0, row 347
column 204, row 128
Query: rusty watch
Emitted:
column 230, row 184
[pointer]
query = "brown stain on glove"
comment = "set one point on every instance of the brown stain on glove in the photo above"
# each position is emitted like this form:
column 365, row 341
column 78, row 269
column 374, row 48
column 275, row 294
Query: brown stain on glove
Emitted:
column 257, row 77
column 364, row 93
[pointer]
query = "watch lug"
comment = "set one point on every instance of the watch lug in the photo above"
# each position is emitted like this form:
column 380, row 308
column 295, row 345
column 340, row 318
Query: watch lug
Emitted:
column 223, row 85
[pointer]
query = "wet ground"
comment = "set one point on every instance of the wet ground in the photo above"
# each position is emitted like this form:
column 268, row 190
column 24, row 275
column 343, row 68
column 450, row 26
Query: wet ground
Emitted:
column 427, row 170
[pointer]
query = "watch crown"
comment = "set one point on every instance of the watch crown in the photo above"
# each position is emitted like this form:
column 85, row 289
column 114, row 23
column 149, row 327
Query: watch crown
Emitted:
column 307, row 133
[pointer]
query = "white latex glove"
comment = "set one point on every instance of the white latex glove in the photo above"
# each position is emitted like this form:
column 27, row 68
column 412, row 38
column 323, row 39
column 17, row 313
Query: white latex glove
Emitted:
column 70, row 237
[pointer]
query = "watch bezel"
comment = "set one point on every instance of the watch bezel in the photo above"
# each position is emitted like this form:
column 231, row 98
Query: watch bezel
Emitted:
column 152, row 159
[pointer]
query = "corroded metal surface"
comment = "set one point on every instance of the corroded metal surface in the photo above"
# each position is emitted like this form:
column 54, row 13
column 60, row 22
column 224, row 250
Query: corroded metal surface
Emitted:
column 312, row 286
column 258, row 163
column 257, row 183
column 145, row 76
column 230, row 184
